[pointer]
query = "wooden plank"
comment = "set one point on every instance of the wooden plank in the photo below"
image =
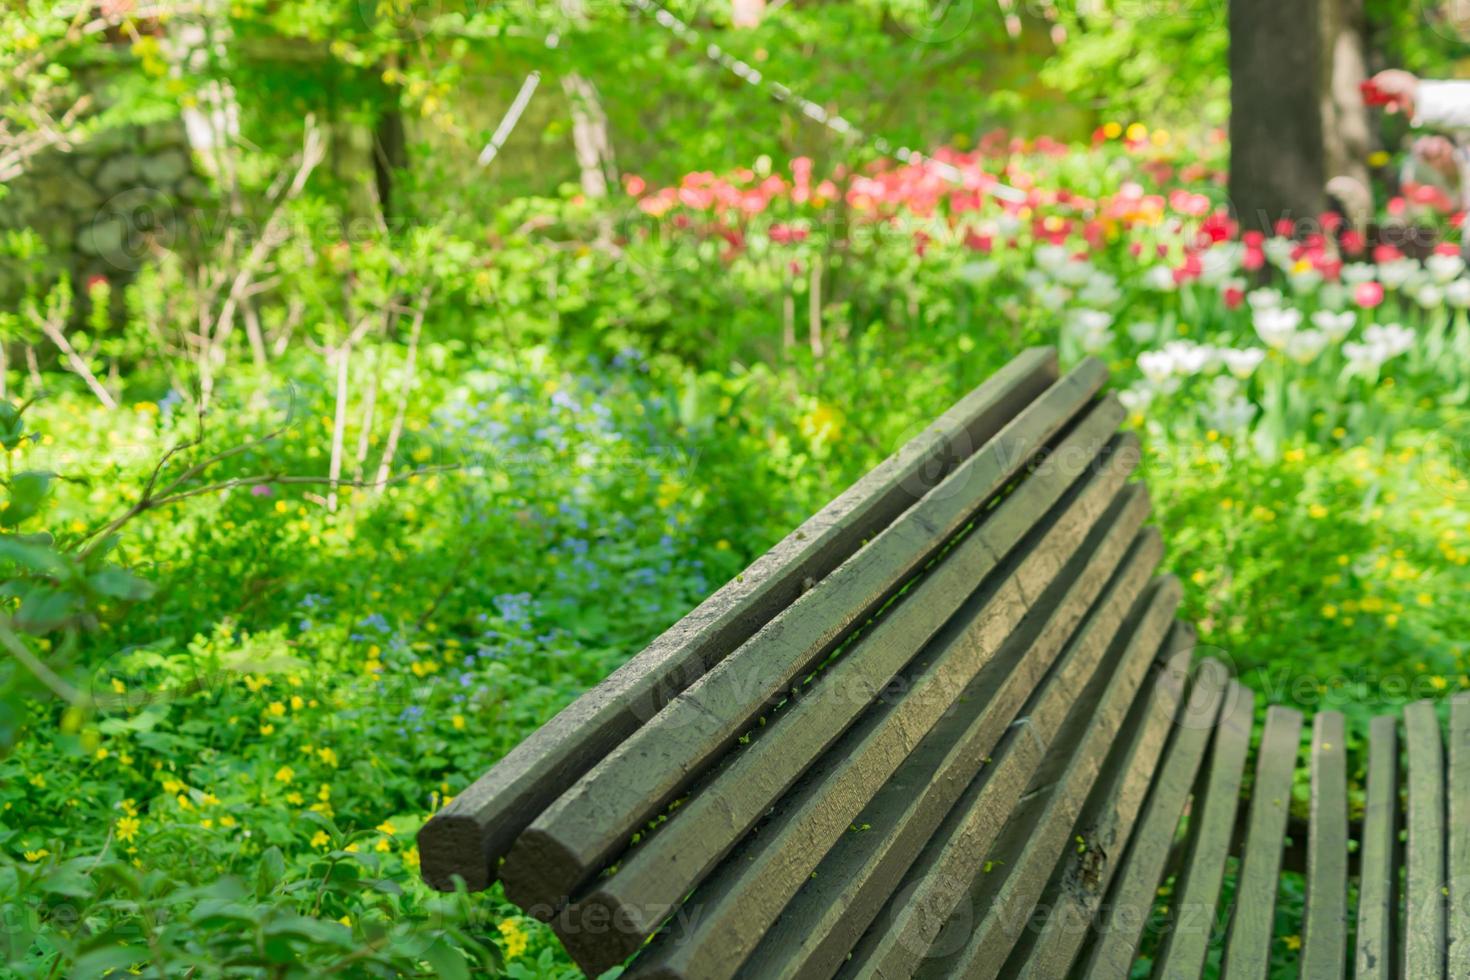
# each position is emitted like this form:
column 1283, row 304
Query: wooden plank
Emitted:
column 736, row 913
column 1325, row 925
column 469, row 836
column 1216, row 702
column 1378, row 865
column 820, row 924
column 1248, row 950
column 1424, row 923
column 575, row 837
column 1212, row 824
column 1459, row 830
column 902, row 932
column 1038, row 830
column 1081, row 878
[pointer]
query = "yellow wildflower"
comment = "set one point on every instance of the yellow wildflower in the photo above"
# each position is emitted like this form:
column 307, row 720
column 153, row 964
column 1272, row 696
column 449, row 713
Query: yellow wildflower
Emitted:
column 516, row 940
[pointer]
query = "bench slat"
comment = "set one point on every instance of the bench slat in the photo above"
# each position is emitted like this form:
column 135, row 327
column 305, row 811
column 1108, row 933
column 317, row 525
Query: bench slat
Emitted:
column 1248, row 950
column 577, row 835
column 824, row 919
column 1217, row 700
column 1212, row 825
column 1081, row 880
column 1378, row 861
column 1037, row 833
column 749, row 892
column 1324, row 931
column 953, row 858
column 1459, row 843
column 1424, row 925
column 469, row 836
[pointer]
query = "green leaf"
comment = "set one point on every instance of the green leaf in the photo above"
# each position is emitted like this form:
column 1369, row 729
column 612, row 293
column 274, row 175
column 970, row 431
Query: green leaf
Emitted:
column 27, row 493
column 31, row 555
column 99, row 962
column 12, row 427
column 119, row 583
column 46, row 608
column 447, row 961
column 272, row 869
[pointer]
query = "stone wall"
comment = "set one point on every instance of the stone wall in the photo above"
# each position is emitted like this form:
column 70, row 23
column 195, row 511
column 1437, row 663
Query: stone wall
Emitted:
column 105, row 207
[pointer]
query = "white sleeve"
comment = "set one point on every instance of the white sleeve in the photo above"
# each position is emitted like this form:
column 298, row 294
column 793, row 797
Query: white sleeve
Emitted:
column 1443, row 104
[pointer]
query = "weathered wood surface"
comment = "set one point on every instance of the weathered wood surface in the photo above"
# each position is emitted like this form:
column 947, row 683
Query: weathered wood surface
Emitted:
column 1248, row 950
column 1195, row 907
column 1000, row 903
column 1458, row 819
column 1425, row 884
column 904, row 930
column 1325, row 929
column 1081, row 879
column 856, row 877
column 578, row 834
column 1130, row 901
column 1378, row 861
column 467, row 838
column 739, row 908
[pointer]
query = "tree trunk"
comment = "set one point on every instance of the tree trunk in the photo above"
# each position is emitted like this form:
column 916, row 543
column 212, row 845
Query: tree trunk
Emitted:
column 590, row 136
column 390, row 149
column 1348, row 133
column 1279, row 62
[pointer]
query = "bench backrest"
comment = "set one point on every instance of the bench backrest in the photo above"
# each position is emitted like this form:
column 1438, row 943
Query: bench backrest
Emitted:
column 937, row 702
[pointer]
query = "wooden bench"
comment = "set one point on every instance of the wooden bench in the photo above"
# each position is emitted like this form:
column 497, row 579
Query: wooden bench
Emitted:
column 950, row 726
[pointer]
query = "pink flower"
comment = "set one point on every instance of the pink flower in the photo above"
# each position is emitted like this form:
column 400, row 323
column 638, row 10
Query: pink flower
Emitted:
column 634, row 185
column 976, row 242
column 1190, row 269
column 1386, row 253
column 1368, row 294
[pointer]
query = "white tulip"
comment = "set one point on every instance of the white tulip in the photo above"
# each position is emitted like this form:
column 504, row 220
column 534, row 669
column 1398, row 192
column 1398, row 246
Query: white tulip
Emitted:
column 1335, row 325
column 1394, row 339
column 1075, row 272
column 1279, row 250
column 1444, row 267
column 1276, row 326
column 1243, row 363
column 1396, row 273
column 1232, row 416
column 1189, row 358
column 1135, row 399
column 1160, row 278
column 1457, row 294
column 1264, row 299
column 1156, row 365
column 1051, row 257
column 1359, row 272
column 1305, row 345
column 1362, row 357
